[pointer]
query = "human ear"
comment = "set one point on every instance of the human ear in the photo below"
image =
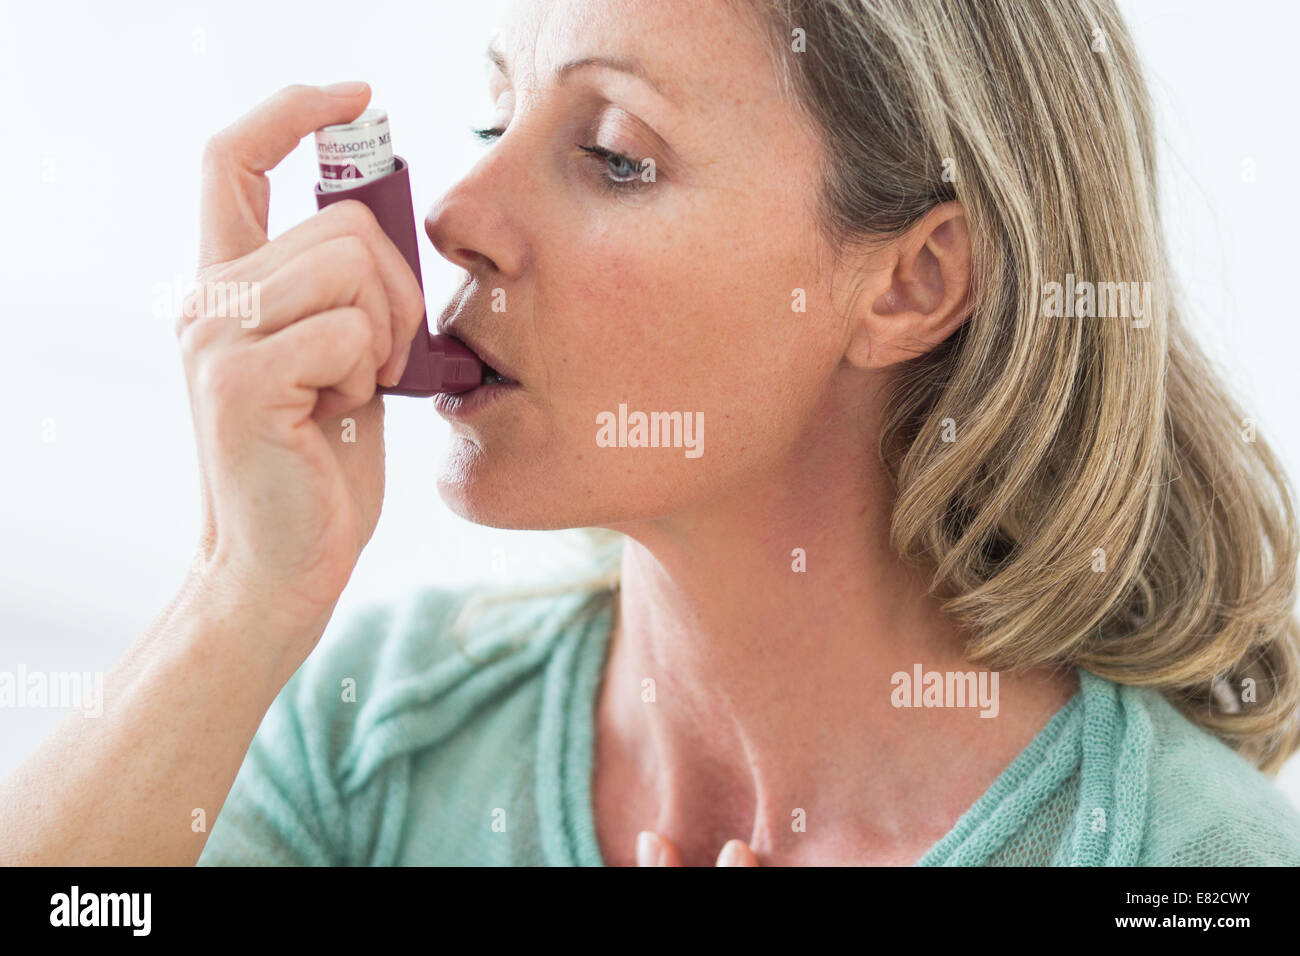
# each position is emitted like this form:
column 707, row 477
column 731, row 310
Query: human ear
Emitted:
column 915, row 293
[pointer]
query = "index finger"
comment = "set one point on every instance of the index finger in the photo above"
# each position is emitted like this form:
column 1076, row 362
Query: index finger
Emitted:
column 236, row 195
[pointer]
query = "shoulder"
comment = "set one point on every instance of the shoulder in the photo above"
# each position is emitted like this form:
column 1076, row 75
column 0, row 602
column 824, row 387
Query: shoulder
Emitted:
column 450, row 677
column 437, row 654
column 1205, row 805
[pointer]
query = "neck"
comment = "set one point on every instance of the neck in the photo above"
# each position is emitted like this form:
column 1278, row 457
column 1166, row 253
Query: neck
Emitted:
column 749, row 681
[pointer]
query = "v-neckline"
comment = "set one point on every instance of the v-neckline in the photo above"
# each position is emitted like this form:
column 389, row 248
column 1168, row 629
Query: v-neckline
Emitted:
column 567, row 732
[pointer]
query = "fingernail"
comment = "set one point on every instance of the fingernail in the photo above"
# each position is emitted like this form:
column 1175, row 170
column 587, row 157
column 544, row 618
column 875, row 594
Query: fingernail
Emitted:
column 350, row 88
column 730, row 855
column 400, row 367
column 392, row 371
column 647, row 849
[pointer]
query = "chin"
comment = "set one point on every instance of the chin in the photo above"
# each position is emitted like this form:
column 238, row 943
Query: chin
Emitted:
column 523, row 491
column 491, row 492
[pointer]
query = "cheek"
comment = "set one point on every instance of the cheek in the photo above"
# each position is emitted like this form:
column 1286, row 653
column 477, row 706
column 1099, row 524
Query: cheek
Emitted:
column 643, row 326
column 694, row 323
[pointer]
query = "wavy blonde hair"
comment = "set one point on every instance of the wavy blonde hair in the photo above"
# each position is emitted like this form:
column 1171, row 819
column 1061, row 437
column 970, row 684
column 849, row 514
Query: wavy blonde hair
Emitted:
column 1105, row 504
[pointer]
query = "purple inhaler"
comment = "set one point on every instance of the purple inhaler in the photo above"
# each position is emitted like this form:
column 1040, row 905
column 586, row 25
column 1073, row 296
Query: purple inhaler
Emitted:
column 354, row 157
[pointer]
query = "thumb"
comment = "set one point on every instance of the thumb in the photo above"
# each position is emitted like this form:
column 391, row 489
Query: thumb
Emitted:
column 235, row 196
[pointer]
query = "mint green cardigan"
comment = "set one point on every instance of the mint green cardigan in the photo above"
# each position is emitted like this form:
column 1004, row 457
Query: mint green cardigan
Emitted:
column 395, row 744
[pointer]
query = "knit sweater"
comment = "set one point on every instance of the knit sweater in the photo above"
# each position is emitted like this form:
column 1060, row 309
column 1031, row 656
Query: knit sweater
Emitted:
column 399, row 743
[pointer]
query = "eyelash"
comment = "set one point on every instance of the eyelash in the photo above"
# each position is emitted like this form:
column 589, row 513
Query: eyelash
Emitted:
column 610, row 181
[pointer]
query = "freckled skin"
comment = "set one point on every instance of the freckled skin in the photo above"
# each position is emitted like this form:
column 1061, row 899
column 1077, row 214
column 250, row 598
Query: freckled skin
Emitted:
column 675, row 297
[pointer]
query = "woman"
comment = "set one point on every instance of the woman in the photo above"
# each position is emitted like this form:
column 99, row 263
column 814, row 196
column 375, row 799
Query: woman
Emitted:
column 977, row 565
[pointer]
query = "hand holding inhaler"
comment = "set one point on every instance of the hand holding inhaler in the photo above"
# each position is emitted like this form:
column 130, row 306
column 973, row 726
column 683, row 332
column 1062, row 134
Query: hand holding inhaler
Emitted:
column 283, row 341
column 288, row 422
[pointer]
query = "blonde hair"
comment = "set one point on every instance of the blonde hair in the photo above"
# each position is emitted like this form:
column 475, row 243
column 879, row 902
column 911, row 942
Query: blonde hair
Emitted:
column 1100, row 506
column 1104, row 504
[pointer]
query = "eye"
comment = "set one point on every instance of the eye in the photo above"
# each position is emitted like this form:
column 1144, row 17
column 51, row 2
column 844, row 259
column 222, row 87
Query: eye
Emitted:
column 621, row 168
column 622, row 172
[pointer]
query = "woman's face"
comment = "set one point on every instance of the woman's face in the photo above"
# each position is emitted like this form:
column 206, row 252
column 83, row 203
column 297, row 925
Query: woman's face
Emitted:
column 699, row 285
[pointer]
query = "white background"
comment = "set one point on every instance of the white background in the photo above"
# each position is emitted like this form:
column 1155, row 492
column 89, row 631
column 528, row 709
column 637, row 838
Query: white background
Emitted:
column 113, row 102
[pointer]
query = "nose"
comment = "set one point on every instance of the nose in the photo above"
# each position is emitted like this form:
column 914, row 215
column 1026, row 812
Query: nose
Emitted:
column 471, row 226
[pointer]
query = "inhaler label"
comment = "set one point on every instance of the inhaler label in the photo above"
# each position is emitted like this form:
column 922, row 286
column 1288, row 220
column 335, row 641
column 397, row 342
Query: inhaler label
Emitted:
column 352, row 154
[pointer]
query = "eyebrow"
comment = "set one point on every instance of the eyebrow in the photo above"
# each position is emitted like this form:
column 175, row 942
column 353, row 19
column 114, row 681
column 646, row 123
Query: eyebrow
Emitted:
column 629, row 65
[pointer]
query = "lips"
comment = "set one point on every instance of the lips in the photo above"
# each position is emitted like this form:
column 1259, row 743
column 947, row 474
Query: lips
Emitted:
column 494, row 387
column 494, row 371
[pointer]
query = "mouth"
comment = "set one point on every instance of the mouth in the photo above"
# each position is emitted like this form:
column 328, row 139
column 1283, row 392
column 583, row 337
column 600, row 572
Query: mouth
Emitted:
column 496, row 384
column 494, row 373
column 492, row 377
column 464, row 406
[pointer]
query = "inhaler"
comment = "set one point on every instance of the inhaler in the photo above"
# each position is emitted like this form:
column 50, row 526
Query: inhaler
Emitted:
column 357, row 162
